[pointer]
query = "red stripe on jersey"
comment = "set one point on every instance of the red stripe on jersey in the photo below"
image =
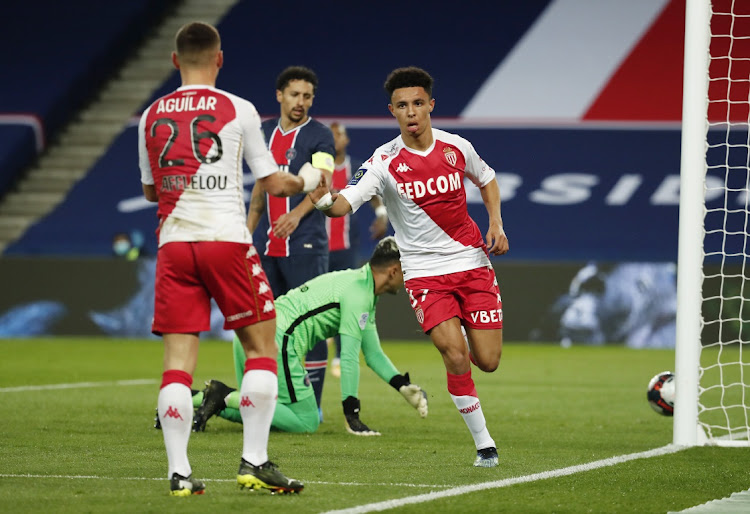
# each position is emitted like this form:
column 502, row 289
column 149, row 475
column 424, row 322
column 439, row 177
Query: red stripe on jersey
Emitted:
column 436, row 183
column 338, row 228
column 338, row 233
column 174, row 123
column 282, row 148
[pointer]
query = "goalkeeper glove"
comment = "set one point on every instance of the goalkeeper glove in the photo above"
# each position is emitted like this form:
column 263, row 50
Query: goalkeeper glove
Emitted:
column 412, row 393
column 353, row 423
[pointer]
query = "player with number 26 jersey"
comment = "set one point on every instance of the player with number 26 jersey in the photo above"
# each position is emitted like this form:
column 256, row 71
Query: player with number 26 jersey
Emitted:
column 191, row 143
column 197, row 173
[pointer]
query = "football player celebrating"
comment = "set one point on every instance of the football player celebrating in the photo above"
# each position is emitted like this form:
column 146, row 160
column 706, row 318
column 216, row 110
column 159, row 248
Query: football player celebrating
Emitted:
column 447, row 271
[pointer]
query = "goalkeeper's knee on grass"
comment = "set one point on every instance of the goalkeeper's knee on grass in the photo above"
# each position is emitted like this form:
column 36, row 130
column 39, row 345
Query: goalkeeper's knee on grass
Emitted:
column 412, row 393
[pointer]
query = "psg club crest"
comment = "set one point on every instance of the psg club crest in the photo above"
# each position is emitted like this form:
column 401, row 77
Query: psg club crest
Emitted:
column 290, row 154
column 450, row 155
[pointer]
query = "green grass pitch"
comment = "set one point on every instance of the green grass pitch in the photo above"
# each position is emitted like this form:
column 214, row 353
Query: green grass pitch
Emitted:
column 90, row 446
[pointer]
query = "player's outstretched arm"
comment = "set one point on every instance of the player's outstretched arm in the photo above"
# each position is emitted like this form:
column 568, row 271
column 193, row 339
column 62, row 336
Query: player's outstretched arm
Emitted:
column 286, row 184
column 497, row 241
column 332, row 205
column 288, row 223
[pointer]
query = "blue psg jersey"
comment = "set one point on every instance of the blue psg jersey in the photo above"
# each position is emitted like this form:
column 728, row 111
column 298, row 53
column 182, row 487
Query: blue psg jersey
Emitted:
column 291, row 150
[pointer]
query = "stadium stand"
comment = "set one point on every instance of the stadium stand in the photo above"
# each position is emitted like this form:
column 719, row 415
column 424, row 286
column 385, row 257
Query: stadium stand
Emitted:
column 557, row 171
column 59, row 60
column 18, row 145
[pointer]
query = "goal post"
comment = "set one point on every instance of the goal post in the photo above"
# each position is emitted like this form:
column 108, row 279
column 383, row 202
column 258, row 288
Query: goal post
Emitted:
column 712, row 366
column 690, row 243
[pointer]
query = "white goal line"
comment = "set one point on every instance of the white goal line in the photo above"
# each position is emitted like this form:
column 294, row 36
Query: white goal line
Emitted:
column 570, row 470
column 78, row 385
column 420, row 498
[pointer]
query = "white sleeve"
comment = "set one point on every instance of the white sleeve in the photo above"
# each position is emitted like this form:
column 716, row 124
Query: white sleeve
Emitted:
column 366, row 182
column 478, row 171
column 256, row 153
column 143, row 161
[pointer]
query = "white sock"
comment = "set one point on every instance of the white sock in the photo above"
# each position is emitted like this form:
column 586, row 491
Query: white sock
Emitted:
column 175, row 406
column 258, row 394
column 471, row 410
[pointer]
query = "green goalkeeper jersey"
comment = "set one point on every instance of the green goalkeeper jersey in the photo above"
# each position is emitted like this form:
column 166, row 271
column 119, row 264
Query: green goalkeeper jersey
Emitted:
column 340, row 302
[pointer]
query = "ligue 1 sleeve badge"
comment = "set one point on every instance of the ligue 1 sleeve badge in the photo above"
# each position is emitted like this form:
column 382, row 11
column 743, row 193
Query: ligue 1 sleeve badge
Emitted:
column 450, row 155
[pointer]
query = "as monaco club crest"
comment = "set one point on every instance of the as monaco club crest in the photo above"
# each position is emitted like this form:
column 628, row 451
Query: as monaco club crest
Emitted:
column 450, row 155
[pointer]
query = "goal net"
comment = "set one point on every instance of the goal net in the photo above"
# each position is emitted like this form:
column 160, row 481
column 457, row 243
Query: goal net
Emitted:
column 713, row 336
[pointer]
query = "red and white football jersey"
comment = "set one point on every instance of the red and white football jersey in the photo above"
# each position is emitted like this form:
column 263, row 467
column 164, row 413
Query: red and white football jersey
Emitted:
column 426, row 201
column 190, row 145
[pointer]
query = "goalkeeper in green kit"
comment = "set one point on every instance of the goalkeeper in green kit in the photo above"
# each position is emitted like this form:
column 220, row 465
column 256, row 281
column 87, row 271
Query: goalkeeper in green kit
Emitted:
column 340, row 302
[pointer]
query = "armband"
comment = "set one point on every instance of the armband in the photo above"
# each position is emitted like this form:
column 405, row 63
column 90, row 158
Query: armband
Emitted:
column 381, row 212
column 323, row 161
column 325, row 203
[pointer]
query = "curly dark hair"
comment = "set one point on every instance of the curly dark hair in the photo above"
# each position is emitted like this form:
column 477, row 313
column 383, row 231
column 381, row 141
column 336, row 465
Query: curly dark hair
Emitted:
column 410, row 76
column 296, row 73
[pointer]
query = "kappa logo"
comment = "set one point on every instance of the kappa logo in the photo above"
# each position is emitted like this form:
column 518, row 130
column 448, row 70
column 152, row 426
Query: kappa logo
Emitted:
column 172, row 412
column 403, row 168
column 268, row 306
column 251, row 252
column 363, row 320
column 245, row 402
column 263, row 288
column 257, row 270
column 450, row 155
